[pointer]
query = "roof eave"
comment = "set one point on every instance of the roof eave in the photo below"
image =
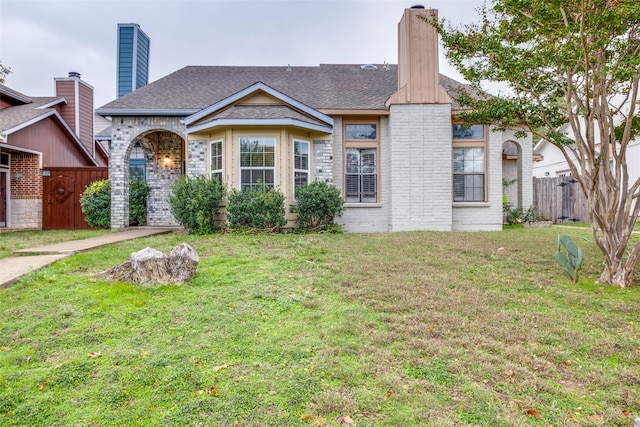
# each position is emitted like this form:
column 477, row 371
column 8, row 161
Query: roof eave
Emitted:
column 259, row 122
column 115, row 112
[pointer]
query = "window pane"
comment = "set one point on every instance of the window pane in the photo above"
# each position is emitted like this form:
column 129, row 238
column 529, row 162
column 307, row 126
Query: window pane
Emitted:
column 468, row 132
column 361, row 175
column 368, row 131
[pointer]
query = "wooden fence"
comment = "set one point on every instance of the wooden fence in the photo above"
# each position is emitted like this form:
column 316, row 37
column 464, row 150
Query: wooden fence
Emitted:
column 559, row 199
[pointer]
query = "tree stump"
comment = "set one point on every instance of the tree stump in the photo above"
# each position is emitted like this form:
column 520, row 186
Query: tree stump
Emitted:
column 152, row 266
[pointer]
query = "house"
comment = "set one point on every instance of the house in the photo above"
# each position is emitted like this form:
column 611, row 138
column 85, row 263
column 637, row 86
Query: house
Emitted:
column 385, row 135
column 554, row 164
column 44, row 140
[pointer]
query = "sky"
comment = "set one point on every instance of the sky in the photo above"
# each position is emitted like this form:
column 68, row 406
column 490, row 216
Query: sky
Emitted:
column 44, row 39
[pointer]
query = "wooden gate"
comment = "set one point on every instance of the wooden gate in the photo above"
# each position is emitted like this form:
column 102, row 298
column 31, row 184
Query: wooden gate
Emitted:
column 61, row 190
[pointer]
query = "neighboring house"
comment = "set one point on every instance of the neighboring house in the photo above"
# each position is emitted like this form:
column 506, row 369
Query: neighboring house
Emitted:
column 554, row 163
column 40, row 135
column 385, row 135
column 133, row 59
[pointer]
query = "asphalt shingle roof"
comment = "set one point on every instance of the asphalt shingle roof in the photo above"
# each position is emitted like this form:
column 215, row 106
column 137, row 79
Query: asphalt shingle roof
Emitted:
column 264, row 112
column 340, row 86
column 13, row 116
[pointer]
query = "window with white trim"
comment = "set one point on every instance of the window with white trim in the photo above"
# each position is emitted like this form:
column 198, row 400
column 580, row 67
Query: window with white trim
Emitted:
column 300, row 164
column 257, row 162
column 361, row 183
column 469, row 163
column 216, row 159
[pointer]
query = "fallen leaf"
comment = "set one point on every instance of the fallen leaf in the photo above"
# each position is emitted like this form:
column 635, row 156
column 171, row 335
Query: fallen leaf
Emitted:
column 567, row 362
column 5, row 348
column 535, row 414
column 219, row 368
column 389, row 394
column 347, row 419
column 319, row 422
column 595, row 417
column 509, row 373
column 95, row 354
column 307, row 416
column 43, row 385
column 199, row 392
column 626, row 413
column 213, row 391
column 144, row 354
column 197, row 362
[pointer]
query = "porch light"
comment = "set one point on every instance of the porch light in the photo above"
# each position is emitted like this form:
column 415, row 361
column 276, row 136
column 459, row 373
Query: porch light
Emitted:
column 167, row 159
column 17, row 177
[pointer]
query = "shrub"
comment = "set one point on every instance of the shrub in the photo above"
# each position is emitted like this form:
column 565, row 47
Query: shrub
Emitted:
column 259, row 208
column 317, row 205
column 95, row 202
column 138, row 192
column 195, row 203
column 514, row 216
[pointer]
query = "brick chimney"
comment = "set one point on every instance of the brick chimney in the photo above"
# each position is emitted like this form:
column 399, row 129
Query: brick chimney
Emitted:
column 418, row 68
column 78, row 111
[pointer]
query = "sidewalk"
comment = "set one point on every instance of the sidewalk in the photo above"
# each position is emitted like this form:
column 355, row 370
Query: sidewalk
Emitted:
column 26, row 260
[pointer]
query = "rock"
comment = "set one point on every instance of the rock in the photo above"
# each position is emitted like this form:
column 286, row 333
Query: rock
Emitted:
column 152, row 266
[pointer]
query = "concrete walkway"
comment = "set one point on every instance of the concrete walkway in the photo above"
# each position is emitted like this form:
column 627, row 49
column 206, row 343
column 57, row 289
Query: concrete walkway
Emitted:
column 26, row 260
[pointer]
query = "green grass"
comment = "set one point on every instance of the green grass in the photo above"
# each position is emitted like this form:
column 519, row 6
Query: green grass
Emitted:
column 14, row 240
column 438, row 329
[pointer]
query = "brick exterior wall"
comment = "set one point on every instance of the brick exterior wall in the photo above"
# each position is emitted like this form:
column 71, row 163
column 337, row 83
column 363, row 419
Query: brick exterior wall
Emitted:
column 159, row 137
column 420, row 169
column 25, row 204
column 323, row 161
column 197, row 158
column 30, row 184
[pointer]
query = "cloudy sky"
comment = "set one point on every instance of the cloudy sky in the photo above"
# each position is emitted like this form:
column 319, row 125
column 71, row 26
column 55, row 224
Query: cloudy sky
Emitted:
column 43, row 39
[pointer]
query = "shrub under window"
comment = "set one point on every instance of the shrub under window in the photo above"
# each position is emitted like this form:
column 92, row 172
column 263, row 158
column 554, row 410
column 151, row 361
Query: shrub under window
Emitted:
column 195, row 203
column 317, row 205
column 259, row 207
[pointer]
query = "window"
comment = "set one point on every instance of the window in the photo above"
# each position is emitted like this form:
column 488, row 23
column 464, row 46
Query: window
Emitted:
column 361, row 175
column 137, row 164
column 368, row 131
column 469, row 177
column 300, row 164
column 361, row 162
column 216, row 159
column 257, row 162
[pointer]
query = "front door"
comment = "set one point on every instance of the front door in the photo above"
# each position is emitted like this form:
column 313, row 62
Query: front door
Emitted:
column 3, row 199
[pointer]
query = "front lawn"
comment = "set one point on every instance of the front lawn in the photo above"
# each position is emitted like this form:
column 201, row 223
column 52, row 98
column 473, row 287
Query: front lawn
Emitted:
column 436, row 329
column 11, row 241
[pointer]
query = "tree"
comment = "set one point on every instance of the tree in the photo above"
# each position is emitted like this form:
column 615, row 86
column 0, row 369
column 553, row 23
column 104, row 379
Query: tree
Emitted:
column 566, row 62
column 4, row 71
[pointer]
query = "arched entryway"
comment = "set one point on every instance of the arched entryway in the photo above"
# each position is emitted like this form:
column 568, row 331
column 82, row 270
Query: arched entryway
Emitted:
column 154, row 154
column 516, row 173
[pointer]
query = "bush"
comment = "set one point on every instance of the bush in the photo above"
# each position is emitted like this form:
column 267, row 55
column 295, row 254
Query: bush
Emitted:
column 515, row 216
column 259, row 208
column 138, row 192
column 95, row 202
column 195, row 203
column 317, row 205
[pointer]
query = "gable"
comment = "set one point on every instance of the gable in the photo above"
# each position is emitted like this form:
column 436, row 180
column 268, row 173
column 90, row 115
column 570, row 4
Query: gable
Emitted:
column 261, row 105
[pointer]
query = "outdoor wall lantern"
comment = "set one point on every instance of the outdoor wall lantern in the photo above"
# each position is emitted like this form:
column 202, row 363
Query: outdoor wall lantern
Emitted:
column 166, row 160
column 17, row 177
